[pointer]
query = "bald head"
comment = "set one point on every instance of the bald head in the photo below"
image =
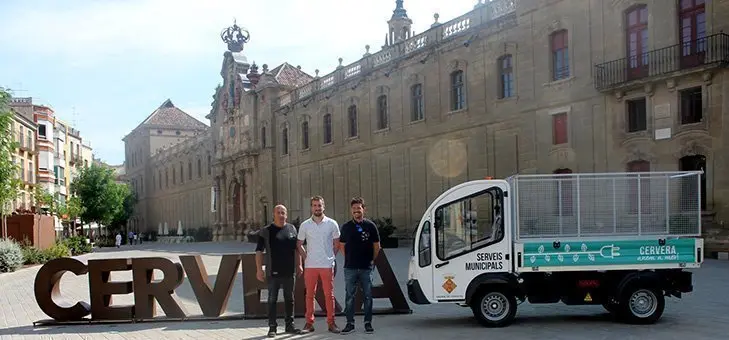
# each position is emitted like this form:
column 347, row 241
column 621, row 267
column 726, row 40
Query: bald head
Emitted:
column 279, row 215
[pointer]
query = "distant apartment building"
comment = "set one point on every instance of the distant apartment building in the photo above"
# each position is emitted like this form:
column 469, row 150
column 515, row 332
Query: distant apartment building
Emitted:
column 58, row 148
column 72, row 153
column 24, row 133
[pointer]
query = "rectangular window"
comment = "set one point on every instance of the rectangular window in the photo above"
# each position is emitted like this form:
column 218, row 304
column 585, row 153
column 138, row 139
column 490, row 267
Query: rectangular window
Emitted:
column 560, row 55
column 636, row 118
column 416, row 109
column 691, row 105
column 468, row 224
column 458, row 98
column 352, row 113
column 41, row 131
column 507, row 77
column 327, row 128
column 559, row 128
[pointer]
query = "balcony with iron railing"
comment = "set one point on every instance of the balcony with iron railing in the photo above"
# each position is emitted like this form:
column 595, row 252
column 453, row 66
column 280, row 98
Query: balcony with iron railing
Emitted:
column 691, row 56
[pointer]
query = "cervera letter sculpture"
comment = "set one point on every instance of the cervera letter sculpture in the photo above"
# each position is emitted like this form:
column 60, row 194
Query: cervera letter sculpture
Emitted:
column 212, row 299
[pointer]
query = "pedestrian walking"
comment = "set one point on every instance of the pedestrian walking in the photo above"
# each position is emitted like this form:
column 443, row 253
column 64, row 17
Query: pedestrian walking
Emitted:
column 360, row 242
column 118, row 240
column 321, row 235
column 278, row 241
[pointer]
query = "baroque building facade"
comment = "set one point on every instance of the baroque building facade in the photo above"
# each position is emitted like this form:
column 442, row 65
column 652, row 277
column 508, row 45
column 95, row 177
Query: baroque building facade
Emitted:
column 561, row 86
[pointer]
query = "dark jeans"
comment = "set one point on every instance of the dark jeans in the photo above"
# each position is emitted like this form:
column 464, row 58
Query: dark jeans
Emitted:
column 351, row 278
column 274, row 284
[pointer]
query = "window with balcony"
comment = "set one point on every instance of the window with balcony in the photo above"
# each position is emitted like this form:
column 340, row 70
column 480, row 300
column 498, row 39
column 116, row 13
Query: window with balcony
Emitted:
column 691, row 105
column 636, row 115
column 636, row 19
column 559, row 128
column 692, row 23
column 416, row 103
column 506, row 77
column 560, row 54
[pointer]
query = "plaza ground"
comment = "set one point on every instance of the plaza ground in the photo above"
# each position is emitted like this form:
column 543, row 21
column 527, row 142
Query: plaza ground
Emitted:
column 703, row 314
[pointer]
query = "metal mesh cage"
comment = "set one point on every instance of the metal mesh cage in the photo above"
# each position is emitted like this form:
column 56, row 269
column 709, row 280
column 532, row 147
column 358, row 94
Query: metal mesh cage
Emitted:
column 612, row 204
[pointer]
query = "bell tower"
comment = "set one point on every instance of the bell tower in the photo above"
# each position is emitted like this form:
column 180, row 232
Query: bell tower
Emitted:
column 400, row 26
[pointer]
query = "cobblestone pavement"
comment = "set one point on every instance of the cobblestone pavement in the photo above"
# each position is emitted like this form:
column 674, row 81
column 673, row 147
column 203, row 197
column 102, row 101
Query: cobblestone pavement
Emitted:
column 703, row 314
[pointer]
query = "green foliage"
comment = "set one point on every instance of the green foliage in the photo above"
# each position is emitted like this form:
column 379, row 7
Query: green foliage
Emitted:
column 56, row 251
column 385, row 227
column 33, row 255
column 77, row 245
column 44, row 199
column 9, row 180
column 104, row 201
column 74, row 208
column 129, row 200
column 11, row 256
column 202, row 234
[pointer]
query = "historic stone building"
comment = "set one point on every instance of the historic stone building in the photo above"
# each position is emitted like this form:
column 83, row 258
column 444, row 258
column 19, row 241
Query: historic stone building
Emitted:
column 509, row 87
column 168, row 159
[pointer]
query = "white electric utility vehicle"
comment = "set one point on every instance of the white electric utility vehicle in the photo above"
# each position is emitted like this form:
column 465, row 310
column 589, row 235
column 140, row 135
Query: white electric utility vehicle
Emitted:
column 620, row 240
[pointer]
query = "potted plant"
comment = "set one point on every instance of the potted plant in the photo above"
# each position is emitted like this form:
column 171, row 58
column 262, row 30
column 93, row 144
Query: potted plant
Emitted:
column 386, row 230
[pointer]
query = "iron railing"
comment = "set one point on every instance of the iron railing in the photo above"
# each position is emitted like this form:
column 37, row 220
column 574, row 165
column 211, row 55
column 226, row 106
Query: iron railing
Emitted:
column 629, row 204
column 711, row 50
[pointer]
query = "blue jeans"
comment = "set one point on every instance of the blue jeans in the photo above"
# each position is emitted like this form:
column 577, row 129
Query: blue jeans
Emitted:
column 364, row 277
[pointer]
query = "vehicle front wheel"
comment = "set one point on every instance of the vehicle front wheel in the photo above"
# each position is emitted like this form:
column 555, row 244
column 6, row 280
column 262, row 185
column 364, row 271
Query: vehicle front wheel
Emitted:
column 494, row 308
column 642, row 304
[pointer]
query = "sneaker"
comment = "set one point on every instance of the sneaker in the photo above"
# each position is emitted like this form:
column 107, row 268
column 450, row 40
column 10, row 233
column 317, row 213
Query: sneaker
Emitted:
column 271, row 332
column 291, row 329
column 308, row 328
column 333, row 328
column 369, row 329
column 349, row 328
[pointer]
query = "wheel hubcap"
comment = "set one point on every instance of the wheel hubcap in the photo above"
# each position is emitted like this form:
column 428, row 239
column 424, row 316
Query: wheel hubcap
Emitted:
column 495, row 306
column 643, row 303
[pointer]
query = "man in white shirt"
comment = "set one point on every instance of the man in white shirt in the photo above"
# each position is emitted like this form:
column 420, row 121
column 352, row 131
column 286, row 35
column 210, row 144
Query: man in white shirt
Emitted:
column 321, row 234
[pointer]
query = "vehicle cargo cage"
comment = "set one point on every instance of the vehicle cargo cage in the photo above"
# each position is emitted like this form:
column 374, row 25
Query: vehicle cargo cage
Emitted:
column 626, row 204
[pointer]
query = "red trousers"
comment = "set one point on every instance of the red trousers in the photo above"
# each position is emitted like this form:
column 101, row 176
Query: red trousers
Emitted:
column 311, row 280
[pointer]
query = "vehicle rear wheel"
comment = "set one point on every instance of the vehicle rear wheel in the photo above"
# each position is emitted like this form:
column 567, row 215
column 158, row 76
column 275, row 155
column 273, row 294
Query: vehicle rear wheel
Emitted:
column 494, row 308
column 642, row 303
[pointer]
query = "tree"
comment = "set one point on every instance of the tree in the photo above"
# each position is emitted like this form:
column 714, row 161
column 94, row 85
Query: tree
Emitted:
column 74, row 209
column 98, row 193
column 44, row 199
column 129, row 200
column 9, row 180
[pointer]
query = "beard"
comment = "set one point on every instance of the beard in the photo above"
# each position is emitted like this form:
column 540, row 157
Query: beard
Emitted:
column 317, row 213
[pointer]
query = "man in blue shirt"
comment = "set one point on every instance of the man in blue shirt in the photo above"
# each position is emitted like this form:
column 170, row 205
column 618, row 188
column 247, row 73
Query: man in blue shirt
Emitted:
column 360, row 241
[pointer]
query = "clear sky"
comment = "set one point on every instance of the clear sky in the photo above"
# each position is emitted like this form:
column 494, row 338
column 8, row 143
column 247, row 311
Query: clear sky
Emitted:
column 105, row 65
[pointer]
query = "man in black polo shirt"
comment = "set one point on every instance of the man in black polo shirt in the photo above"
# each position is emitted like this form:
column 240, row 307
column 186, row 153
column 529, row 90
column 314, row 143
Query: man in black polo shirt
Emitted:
column 361, row 242
column 282, row 259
